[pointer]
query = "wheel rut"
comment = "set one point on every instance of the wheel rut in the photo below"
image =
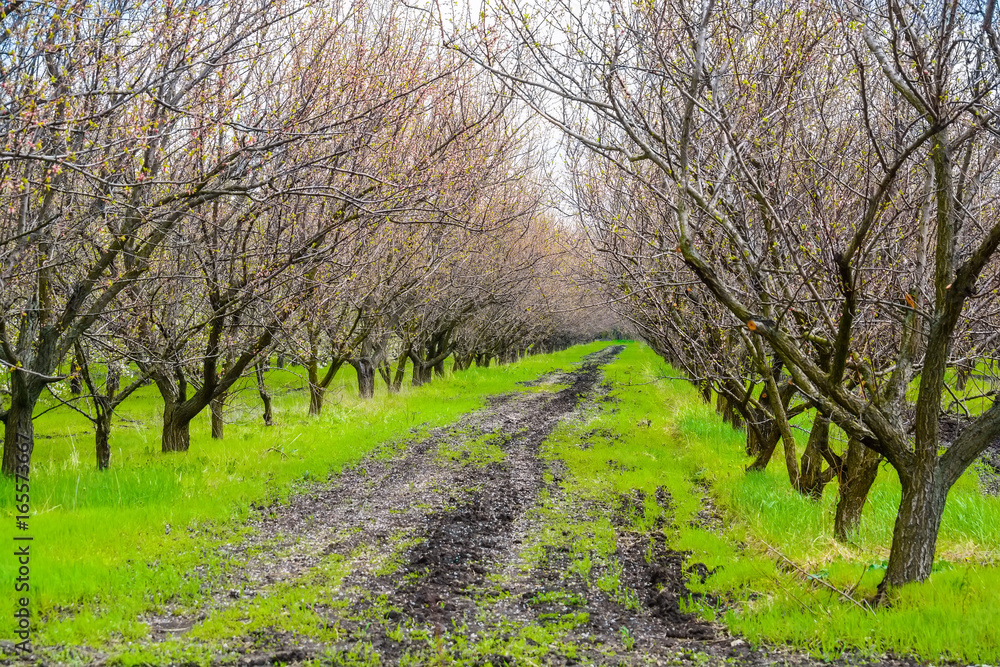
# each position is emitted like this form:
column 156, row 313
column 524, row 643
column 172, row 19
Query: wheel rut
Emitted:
column 460, row 517
column 481, row 534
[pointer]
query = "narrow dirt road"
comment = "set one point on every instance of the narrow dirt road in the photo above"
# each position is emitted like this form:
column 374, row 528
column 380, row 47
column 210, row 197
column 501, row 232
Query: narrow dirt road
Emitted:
column 430, row 552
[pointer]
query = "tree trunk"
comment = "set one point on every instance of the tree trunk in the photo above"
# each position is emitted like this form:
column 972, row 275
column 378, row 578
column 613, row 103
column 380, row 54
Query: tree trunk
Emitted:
column 914, row 537
column 112, row 381
column 265, row 395
column 176, row 430
column 217, row 408
column 961, row 378
column 385, row 370
column 439, row 369
column 315, row 398
column 421, row 374
column 102, row 435
column 860, row 470
column 366, row 376
column 812, row 478
column 19, row 429
column 764, row 447
column 755, row 444
column 732, row 416
column 397, row 380
column 280, row 363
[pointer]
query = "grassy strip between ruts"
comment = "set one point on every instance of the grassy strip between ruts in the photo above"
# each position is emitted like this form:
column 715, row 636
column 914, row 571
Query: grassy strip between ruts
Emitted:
column 110, row 546
column 775, row 550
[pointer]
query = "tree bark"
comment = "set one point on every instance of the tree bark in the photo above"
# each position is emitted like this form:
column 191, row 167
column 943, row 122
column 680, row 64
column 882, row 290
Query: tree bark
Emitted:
column 317, row 387
column 316, row 393
column 397, row 380
column 732, row 416
column 217, row 408
column 439, row 369
column 385, row 371
column 19, row 429
column 765, row 449
column 463, row 362
column 860, row 470
column 102, row 433
column 421, row 374
column 758, row 428
column 914, row 537
column 705, row 386
column 176, row 429
column 961, row 378
column 812, row 478
column 366, row 376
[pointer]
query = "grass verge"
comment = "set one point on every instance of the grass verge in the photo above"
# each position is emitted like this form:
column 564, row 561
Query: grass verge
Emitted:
column 778, row 562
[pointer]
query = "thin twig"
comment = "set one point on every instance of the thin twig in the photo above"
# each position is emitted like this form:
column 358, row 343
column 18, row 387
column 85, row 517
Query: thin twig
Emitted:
column 863, row 606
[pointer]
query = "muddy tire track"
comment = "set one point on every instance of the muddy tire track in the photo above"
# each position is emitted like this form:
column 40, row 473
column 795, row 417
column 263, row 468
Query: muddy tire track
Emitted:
column 482, row 534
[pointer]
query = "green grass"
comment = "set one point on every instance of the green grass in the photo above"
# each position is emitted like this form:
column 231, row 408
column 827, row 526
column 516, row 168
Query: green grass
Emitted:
column 111, row 546
column 478, row 451
column 685, row 446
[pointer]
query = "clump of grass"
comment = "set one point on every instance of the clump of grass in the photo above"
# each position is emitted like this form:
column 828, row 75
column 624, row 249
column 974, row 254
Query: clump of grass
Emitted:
column 480, row 451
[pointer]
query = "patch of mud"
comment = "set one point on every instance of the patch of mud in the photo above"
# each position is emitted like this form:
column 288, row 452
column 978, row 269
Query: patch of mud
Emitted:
column 450, row 569
column 555, row 376
column 708, row 517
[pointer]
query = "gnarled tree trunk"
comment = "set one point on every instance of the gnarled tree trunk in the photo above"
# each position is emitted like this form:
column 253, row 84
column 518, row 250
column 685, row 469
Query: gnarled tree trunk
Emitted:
column 762, row 439
column 421, row 374
column 318, row 387
column 397, row 380
column 19, row 429
column 385, row 371
column 102, row 432
column 914, row 536
column 176, row 429
column 812, row 477
column 859, row 472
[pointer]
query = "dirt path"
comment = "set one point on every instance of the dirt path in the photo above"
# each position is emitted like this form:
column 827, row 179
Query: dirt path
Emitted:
column 430, row 551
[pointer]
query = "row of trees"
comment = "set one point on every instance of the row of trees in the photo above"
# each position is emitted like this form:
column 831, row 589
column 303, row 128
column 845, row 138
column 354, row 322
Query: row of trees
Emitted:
column 797, row 204
column 187, row 186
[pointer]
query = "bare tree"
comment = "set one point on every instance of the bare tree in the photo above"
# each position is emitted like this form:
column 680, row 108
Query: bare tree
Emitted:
column 826, row 175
